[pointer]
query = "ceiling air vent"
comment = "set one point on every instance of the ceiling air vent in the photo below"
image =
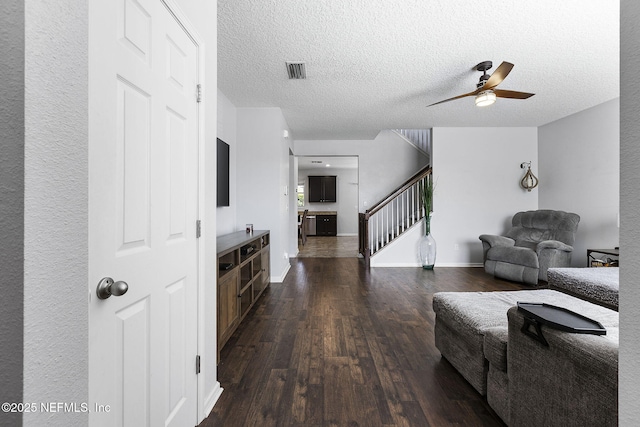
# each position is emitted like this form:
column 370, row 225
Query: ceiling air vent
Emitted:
column 296, row 70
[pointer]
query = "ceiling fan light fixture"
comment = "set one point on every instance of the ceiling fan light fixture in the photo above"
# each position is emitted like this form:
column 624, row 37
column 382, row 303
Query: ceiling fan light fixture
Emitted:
column 485, row 98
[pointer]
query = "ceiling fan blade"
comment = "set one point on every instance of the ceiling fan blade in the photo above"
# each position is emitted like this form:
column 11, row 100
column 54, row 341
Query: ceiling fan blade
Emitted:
column 512, row 94
column 498, row 75
column 475, row 92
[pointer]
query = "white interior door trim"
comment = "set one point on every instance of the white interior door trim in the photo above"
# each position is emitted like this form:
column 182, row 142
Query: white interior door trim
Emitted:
column 205, row 403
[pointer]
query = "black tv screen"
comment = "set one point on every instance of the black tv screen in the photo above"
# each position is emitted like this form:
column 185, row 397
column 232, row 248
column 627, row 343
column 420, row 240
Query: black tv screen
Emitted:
column 223, row 173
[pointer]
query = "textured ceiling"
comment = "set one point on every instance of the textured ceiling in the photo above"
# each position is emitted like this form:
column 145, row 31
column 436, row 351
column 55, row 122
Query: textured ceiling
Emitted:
column 377, row 64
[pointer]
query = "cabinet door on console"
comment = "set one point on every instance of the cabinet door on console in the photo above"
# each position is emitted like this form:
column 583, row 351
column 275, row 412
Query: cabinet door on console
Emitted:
column 265, row 269
column 229, row 312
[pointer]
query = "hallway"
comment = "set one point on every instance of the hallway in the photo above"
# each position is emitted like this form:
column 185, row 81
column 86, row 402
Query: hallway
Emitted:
column 329, row 247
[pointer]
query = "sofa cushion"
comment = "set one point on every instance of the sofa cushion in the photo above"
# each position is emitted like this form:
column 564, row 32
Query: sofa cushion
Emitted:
column 514, row 255
column 514, row 272
column 544, row 224
column 598, row 285
column 479, row 311
column 495, row 347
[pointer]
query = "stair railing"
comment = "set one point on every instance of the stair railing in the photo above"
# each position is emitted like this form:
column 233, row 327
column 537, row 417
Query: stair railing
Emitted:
column 392, row 216
column 421, row 138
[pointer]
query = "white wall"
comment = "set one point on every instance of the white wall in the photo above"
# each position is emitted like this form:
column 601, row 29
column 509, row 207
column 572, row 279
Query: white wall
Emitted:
column 293, row 205
column 629, row 392
column 227, row 130
column 56, row 208
column 476, row 174
column 258, row 174
column 285, row 226
column 346, row 204
column 580, row 172
column 404, row 251
column 383, row 163
column 262, row 175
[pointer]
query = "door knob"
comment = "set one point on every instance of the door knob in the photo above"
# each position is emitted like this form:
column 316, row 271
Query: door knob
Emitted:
column 108, row 287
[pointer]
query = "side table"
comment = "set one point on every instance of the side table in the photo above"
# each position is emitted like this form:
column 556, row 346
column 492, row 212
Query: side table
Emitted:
column 592, row 261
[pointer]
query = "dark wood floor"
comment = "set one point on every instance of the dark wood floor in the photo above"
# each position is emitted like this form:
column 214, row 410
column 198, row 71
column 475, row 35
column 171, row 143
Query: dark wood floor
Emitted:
column 328, row 247
column 339, row 345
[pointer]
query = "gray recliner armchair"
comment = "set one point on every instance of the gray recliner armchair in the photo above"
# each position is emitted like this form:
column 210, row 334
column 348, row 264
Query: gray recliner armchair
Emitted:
column 537, row 241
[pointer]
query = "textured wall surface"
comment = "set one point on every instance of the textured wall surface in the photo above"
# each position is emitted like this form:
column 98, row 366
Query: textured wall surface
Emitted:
column 226, row 216
column 629, row 377
column 11, row 204
column 56, row 176
column 477, row 186
column 580, row 172
column 262, row 173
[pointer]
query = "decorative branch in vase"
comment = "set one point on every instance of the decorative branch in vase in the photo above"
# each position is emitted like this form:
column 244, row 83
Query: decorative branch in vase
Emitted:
column 427, row 242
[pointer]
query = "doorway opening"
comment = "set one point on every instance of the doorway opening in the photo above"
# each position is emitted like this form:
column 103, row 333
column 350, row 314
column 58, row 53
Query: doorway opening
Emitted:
column 328, row 189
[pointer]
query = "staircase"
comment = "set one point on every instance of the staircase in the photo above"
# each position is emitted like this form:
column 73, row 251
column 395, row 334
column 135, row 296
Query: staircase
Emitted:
column 392, row 216
column 420, row 138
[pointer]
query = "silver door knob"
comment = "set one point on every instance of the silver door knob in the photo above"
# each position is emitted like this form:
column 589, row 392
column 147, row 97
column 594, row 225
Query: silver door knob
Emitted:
column 108, row 287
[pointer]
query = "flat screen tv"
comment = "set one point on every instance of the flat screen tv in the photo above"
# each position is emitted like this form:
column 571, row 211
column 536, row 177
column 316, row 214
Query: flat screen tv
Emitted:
column 223, row 173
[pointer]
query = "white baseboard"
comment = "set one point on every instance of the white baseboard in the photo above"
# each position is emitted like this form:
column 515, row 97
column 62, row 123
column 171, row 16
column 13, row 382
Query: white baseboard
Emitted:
column 280, row 279
column 347, row 235
column 460, row 264
column 211, row 399
column 415, row 264
column 394, row 264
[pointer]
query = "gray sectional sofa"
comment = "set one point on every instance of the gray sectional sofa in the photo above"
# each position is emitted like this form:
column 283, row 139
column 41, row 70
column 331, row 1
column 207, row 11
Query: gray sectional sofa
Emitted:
column 572, row 382
column 598, row 285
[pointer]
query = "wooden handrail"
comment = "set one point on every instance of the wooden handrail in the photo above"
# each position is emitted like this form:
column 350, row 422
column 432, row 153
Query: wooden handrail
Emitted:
column 392, row 216
column 408, row 183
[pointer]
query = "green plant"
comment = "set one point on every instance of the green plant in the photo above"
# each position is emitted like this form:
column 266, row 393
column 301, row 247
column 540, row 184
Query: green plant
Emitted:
column 426, row 196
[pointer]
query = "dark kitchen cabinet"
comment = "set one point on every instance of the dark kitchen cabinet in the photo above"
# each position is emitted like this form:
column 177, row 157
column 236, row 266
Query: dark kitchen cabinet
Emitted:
column 326, row 225
column 322, row 189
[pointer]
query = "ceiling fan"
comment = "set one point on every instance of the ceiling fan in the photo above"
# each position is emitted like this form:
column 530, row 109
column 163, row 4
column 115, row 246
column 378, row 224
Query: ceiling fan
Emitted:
column 486, row 92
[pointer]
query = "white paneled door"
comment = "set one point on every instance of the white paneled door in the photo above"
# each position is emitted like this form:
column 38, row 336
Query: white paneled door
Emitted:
column 143, row 206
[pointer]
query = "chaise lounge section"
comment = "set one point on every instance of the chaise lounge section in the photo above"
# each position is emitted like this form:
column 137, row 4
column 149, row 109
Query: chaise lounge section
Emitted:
column 479, row 334
column 598, row 285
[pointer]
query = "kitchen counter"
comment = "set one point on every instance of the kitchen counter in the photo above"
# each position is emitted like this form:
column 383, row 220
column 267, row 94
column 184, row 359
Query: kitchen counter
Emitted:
column 300, row 212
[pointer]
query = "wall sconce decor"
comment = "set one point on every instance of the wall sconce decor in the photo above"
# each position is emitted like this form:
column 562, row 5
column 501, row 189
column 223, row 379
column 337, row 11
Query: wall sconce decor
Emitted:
column 529, row 180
